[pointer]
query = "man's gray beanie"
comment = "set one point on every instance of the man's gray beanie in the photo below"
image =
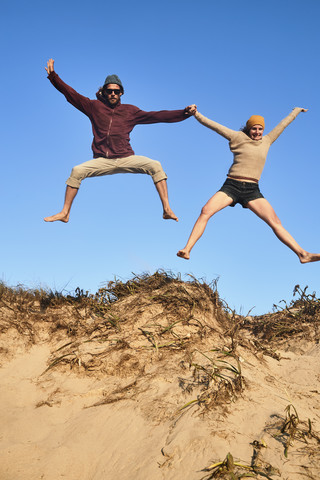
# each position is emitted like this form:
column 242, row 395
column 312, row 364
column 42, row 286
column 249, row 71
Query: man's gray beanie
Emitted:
column 113, row 79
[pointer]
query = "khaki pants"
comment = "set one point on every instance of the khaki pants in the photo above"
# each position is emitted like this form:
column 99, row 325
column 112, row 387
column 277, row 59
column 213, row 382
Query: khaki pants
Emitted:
column 110, row 166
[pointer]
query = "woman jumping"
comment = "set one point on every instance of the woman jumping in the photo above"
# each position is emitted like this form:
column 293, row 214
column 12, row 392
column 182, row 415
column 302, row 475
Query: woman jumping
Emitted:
column 250, row 150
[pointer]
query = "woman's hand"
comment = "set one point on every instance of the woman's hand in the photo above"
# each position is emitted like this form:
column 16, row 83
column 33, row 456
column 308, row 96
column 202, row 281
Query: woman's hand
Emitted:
column 50, row 66
column 301, row 109
column 191, row 109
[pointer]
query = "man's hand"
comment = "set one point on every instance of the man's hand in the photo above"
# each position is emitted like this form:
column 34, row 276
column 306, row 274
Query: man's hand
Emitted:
column 191, row 109
column 50, row 66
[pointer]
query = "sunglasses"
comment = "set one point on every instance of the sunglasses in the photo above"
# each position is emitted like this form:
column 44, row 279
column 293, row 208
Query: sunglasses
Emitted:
column 116, row 91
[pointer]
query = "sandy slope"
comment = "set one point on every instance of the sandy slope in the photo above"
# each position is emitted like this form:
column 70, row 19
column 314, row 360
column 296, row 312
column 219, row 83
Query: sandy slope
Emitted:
column 122, row 418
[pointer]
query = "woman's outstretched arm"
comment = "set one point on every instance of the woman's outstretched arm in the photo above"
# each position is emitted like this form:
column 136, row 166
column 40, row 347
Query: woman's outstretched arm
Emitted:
column 220, row 129
column 274, row 134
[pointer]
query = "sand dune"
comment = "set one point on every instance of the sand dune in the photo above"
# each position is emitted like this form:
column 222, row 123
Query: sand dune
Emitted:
column 157, row 379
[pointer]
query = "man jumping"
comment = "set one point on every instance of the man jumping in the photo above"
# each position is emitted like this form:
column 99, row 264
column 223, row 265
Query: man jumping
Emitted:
column 112, row 123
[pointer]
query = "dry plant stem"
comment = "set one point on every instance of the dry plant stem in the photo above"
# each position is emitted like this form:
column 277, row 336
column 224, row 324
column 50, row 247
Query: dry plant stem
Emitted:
column 229, row 469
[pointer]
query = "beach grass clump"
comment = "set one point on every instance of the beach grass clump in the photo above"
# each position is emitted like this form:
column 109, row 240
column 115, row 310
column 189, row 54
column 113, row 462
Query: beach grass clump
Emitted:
column 298, row 439
column 299, row 319
column 219, row 377
column 229, row 469
column 291, row 428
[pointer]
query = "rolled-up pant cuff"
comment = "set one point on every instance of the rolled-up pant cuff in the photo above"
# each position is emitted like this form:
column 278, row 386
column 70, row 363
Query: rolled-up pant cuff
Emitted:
column 73, row 182
column 157, row 177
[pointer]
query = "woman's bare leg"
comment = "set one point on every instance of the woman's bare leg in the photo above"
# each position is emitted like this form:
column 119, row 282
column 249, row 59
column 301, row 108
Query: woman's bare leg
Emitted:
column 264, row 210
column 63, row 216
column 216, row 203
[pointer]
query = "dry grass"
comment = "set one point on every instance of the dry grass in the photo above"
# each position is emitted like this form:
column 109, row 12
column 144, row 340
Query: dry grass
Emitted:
column 299, row 440
column 156, row 315
column 220, row 381
column 300, row 319
column 293, row 434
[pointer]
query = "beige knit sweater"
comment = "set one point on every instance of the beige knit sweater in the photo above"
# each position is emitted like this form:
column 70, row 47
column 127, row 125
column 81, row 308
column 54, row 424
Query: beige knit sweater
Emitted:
column 249, row 156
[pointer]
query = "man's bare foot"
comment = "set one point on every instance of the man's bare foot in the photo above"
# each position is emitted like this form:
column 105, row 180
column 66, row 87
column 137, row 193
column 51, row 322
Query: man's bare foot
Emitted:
column 307, row 257
column 62, row 217
column 184, row 253
column 169, row 215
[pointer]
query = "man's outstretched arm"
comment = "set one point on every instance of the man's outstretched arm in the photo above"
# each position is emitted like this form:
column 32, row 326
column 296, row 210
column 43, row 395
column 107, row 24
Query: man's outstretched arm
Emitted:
column 79, row 101
column 164, row 116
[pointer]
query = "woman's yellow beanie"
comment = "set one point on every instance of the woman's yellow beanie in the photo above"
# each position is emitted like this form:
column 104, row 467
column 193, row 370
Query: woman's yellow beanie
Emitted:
column 255, row 120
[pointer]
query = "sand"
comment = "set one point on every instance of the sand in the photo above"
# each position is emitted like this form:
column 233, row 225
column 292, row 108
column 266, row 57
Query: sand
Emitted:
column 117, row 408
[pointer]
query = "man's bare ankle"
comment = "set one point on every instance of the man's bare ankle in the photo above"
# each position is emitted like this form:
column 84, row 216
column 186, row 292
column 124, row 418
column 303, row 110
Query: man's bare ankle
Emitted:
column 169, row 215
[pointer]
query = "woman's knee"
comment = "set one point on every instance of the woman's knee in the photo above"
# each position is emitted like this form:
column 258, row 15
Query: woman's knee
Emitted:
column 207, row 211
column 274, row 222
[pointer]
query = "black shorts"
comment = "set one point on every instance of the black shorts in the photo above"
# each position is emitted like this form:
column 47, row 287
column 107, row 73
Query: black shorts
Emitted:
column 241, row 192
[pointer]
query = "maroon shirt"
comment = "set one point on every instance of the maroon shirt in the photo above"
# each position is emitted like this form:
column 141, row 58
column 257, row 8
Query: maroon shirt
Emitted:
column 111, row 125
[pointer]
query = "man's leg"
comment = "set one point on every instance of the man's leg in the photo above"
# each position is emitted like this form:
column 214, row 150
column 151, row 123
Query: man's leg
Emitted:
column 162, row 189
column 63, row 216
column 141, row 164
column 105, row 166
column 216, row 203
column 92, row 168
column 262, row 208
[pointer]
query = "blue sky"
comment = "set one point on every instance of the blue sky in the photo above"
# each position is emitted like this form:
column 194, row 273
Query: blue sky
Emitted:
column 233, row 59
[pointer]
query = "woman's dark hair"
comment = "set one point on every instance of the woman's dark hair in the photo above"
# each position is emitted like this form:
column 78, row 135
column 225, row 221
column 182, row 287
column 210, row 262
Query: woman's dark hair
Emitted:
column 245, row 130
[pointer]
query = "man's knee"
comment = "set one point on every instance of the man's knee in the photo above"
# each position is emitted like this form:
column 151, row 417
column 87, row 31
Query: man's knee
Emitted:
column 77, row 172
column 76, row 177
column 156, row 171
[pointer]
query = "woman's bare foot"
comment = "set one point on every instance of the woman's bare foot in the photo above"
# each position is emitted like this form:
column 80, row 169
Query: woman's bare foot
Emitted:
column 62, row 217
column 184, row 253
column 169, row 215
column 307, row 257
